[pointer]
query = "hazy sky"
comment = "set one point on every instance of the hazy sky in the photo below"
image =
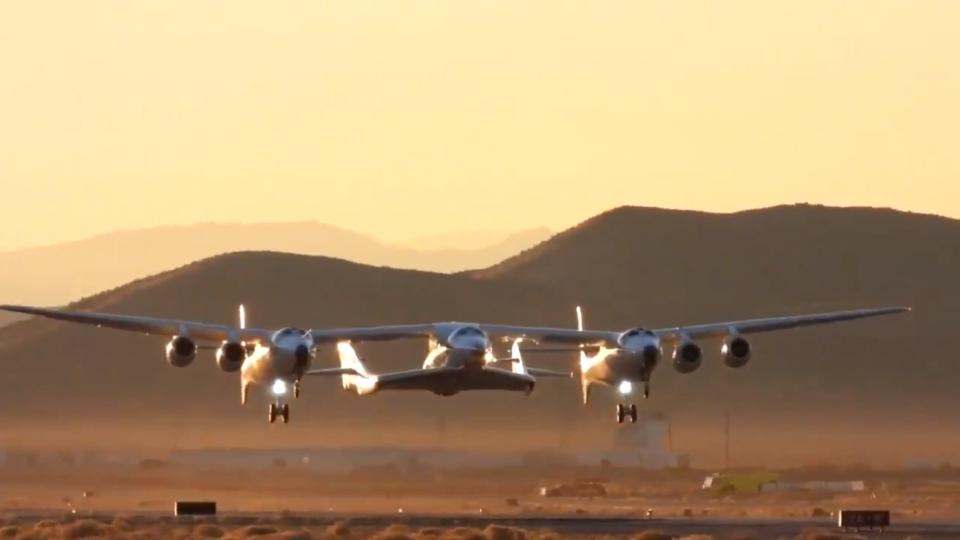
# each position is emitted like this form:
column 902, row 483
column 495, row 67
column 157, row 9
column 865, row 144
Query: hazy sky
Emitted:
column 403, row 117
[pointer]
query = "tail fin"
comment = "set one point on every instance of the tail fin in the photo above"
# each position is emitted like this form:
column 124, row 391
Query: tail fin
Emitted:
column 516, row 357
column 585, row 384
column 350, row 359
column 362, row 382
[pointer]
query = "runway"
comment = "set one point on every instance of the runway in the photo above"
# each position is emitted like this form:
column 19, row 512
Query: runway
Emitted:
column 365, row 526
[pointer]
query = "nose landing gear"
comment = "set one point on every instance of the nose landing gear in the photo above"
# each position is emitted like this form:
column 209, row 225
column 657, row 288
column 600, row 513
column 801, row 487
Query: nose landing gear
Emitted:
column 279, row 410
column 625, row 411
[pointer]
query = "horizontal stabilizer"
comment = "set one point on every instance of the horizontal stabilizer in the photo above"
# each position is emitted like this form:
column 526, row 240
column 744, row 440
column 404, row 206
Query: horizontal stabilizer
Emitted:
column 540, row 372
column 331, row 371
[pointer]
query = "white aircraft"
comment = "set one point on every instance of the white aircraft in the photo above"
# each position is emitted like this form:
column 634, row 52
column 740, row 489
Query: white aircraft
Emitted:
column 461, row 356
column 623, row 359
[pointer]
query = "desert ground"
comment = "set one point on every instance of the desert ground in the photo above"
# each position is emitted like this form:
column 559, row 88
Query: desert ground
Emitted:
column 285, row 501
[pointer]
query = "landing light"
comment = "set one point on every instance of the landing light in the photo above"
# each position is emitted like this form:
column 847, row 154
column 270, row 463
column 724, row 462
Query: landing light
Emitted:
column 625, row 387
column 279, row 387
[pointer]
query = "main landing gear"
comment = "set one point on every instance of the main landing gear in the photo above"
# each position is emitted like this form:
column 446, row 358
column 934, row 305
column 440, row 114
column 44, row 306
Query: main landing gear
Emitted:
column 279, row 410
column 626, row 411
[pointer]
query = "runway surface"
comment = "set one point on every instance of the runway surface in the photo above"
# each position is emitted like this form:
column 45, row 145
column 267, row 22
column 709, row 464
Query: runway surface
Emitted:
column 563, row 526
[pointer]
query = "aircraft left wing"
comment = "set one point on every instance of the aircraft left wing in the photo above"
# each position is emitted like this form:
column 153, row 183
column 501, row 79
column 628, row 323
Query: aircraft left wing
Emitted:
column 148, row 325
column 752, row 326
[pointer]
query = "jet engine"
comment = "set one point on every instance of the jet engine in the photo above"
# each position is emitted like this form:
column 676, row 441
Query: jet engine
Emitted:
column 181, row 351
column 230, row 356
column 736, row 351
column 687, row 357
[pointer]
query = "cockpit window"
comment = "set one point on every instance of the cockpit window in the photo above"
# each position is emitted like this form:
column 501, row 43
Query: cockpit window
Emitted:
column 289, row 331
column 469, row 331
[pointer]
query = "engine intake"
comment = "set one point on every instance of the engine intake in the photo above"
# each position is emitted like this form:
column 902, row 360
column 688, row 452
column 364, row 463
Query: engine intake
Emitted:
column 736, row 351
column 230, row 356
column 687, row 357
column 181, row 351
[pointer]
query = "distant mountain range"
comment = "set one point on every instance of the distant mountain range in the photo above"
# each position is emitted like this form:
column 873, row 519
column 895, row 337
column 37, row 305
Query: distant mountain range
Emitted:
column 844, row 392
column 61, row 273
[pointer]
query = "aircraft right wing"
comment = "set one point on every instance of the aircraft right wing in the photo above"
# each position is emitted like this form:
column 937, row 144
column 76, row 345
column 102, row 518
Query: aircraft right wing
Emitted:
column 374, row 333
column 148, row 325
column 546, row 334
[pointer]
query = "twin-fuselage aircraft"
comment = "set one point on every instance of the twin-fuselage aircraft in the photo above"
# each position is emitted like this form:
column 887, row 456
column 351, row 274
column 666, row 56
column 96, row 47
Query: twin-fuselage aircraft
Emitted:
column 461, row 355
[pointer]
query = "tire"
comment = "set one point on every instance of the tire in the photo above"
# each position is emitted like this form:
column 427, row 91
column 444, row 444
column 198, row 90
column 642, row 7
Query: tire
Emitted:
column 633, row 413
column 285, row 414
column 621, row 413
column 272, row 413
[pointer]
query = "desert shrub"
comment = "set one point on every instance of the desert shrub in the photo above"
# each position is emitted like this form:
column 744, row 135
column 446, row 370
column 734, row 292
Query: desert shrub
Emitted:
column 84, row 528
column 340, row 528
column 386, row 535
column 499, row 532
column 251, row 531
column 293, row 534
column 544, row 534
column 206, row 530
column 463, row 533
column 821, row 534
column 652, row 535
column 818, row 512
column 122, row 523
column 398, row 528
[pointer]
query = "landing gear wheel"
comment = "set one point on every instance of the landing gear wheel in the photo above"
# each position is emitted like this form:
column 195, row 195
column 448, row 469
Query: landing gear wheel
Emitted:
column 272, row 414
column 621, row 413
column 633, row 413
column 285, row 413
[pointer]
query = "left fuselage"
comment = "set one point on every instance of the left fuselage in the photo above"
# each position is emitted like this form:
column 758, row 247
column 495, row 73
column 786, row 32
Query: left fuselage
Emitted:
column 286, row 358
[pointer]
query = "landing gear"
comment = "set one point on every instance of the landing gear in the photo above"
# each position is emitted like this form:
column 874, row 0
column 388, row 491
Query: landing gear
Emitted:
column 646, row 390
column 626, row 411
column 281, row 411
column 296, row 390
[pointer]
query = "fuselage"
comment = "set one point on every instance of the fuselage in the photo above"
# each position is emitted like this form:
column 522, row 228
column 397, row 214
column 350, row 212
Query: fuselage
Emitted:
column 286, row 358
column 634, row 360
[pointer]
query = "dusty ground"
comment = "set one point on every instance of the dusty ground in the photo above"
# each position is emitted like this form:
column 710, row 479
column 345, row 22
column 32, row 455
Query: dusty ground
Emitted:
column 47, row 502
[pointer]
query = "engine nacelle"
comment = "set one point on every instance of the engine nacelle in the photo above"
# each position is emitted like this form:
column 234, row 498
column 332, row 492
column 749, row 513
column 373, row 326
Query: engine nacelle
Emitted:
column 230, row 356
column 687, row 357
column 181, row 351
column 736, row 351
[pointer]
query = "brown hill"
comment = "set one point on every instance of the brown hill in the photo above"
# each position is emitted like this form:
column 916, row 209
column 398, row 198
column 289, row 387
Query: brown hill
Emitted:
column 40, row 276
column 834, row 393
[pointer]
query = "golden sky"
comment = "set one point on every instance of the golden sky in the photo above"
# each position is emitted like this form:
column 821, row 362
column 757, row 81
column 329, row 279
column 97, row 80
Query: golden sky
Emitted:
column 400, row 118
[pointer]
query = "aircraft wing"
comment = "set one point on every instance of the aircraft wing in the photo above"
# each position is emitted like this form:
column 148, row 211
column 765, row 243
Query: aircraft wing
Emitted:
column 752, row 326
column 553, row 335
column 148, row 325
column 414, row 379
column 374, row 333
column 331, row 372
